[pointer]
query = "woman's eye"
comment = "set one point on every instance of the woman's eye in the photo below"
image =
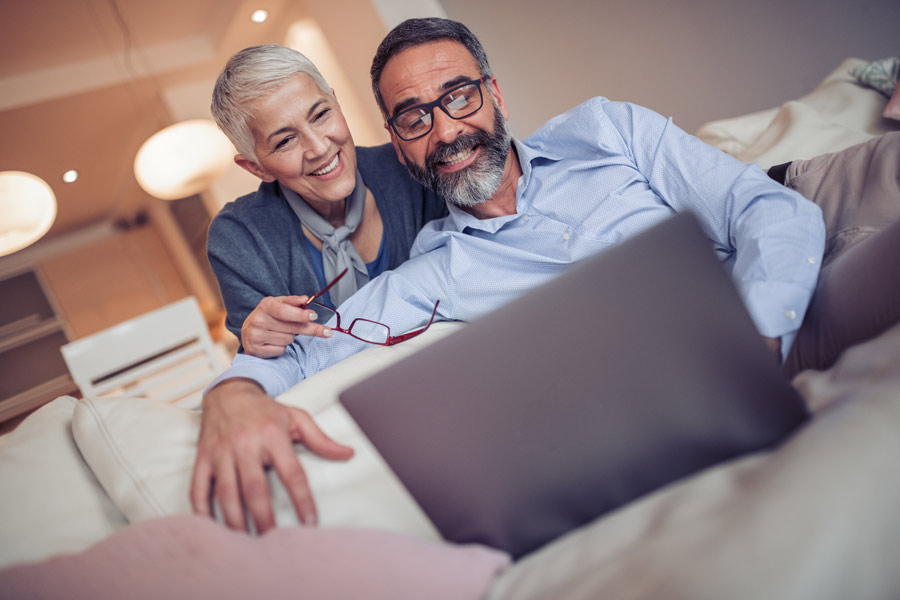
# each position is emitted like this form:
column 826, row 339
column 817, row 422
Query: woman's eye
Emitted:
column 283, row 142
column 321, row 114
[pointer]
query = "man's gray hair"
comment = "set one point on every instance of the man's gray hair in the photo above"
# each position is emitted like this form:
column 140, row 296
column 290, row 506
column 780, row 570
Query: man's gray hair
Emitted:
column 415, row 32
column 250, row 74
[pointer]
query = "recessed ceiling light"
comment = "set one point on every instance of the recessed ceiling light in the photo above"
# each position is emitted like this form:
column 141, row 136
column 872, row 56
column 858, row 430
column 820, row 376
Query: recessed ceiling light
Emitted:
column 70, row 176
column 259, row 16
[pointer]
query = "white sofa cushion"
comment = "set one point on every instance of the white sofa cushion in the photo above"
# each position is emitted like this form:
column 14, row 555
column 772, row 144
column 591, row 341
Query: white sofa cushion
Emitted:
column 143, row 453
column 838, row 114
column 50, row 501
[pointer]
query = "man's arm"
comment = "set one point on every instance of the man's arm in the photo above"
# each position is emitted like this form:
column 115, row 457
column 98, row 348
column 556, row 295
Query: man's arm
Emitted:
column 244, row 430
column 773, row 237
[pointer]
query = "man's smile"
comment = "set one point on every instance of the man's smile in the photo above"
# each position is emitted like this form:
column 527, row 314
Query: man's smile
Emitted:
column 459, row 160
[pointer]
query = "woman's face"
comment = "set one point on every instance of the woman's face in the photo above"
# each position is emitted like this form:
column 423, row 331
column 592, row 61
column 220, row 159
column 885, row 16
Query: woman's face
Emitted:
column 302, row 140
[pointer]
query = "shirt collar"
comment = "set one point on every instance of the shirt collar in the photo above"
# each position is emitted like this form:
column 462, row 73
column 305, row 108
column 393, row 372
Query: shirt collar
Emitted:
column 526, row 153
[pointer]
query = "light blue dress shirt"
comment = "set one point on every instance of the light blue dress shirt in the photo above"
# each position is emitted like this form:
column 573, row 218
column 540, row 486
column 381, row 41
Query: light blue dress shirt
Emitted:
column 592, row 177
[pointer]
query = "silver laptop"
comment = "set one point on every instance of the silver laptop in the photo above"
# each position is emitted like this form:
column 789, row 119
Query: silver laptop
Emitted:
column 635, row 368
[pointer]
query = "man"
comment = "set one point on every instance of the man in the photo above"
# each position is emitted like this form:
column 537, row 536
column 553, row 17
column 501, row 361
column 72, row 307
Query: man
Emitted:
column 520, row 214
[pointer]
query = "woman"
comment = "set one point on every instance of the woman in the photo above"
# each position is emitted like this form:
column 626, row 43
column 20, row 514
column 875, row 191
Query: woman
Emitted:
column 323, row 203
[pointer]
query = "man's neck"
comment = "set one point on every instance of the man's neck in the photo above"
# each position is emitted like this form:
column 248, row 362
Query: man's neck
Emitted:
column 503, row 202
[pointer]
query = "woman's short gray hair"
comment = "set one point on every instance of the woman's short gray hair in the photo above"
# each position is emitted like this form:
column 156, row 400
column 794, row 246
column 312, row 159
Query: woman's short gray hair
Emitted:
column 250, row 74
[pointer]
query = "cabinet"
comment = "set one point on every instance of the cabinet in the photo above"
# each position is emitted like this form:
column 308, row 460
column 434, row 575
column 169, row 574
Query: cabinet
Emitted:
column 32, row 369
column 67, row 295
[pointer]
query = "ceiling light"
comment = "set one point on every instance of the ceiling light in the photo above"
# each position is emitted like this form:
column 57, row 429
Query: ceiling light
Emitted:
column 183, row 159
column 259, row 16
column 27, row 210
column 70, row 176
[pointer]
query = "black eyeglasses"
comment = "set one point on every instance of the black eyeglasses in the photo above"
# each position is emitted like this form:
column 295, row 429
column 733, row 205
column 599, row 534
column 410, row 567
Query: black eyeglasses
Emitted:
column 365, row 330
column 462, row 101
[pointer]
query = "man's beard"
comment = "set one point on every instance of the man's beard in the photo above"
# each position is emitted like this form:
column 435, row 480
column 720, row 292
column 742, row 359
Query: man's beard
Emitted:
column 476, row 183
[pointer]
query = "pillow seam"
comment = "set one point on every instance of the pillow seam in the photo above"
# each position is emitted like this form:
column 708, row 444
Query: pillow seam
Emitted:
column 137, row 481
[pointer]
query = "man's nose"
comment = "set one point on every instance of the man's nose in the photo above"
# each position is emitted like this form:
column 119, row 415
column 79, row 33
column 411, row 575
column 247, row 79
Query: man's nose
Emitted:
column 445, row 128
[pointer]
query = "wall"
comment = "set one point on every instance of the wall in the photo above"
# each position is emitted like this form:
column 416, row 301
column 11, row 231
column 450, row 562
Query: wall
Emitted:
column 696, row 60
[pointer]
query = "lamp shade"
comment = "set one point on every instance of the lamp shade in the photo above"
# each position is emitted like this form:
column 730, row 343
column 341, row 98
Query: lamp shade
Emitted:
column 27, row 210
column 182, row 159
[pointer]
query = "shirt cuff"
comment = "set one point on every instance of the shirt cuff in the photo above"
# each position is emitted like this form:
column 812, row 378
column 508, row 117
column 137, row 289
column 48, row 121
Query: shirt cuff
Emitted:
column 777, row 308
column 255, row 369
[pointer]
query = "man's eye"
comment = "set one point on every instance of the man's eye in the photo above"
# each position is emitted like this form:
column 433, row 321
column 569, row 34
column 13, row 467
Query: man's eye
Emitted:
column 457, row 102
column 421, row 123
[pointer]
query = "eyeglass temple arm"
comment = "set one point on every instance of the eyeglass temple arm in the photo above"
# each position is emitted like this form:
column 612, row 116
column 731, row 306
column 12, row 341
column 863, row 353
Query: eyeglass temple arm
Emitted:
column 324, row 289
column 412, row 334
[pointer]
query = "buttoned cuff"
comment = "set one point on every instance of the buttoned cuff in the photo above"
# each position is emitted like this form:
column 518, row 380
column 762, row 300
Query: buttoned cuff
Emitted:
column 777, row 309
column 253, row 368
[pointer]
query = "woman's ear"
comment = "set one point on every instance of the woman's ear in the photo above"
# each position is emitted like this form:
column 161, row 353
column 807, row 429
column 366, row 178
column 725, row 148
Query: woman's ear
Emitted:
column 253, row 168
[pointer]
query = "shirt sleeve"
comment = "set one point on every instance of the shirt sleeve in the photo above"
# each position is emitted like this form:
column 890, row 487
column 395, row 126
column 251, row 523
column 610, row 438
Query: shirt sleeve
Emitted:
column 774, row 236
column 390, row 299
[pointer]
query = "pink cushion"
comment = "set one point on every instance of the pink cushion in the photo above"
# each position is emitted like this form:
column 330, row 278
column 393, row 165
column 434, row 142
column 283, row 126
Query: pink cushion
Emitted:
column 892, row 110
column 192, row 557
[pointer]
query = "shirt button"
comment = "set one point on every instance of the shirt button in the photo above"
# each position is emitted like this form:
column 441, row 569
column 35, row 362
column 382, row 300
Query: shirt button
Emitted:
column 526, row 218
column 566, row 235
column 811, row 260
column 790, row 314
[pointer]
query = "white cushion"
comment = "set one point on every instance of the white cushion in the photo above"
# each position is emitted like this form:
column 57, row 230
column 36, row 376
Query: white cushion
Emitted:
column 50, row 501
column 143, row 453
column 838, row 114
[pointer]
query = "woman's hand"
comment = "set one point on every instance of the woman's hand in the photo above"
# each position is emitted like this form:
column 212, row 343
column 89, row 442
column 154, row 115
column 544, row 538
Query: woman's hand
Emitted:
column 275, row 321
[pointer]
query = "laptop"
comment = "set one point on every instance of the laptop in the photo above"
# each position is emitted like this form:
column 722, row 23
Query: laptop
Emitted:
column 635, row 368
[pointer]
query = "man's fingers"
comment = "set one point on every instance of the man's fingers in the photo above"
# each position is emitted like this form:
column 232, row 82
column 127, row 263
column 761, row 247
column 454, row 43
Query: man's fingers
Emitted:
column 228, row 495
column 292, row 475
column 200, row 493
column 255, row 492
column 305, row 430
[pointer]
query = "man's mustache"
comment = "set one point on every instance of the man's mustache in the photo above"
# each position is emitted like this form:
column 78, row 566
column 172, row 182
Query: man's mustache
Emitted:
column 443, row 151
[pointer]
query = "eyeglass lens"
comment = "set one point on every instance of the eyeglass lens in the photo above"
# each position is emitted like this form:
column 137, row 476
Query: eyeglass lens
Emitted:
column 361, row 329
column 458, row 103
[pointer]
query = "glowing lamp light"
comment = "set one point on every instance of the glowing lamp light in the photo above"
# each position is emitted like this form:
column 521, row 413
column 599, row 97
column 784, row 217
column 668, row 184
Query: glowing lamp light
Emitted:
column 183, row 159
column 27, row 210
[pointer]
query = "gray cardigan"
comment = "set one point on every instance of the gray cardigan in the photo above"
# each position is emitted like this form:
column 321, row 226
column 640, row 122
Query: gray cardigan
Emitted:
column 257, row 249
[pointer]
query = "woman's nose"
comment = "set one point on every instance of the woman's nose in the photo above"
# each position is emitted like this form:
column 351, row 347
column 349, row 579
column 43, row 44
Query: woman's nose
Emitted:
column 317, row 144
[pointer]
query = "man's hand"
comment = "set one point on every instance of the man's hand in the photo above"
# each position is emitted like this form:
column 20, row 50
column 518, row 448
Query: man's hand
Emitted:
column 275, row 321
column 243, row 432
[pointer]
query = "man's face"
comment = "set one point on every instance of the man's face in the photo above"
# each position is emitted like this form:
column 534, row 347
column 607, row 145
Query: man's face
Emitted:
column 462, row 160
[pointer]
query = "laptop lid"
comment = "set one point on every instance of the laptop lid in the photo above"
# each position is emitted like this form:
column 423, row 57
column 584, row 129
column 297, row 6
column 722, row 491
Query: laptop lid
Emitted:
column 635, row 368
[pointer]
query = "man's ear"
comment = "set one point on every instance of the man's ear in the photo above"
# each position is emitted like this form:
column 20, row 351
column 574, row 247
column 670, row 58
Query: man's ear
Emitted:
column 251, row 167
column 498, row 96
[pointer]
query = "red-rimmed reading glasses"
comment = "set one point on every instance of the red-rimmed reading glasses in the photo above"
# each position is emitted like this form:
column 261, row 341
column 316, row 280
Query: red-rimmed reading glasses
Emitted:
column 365, row 330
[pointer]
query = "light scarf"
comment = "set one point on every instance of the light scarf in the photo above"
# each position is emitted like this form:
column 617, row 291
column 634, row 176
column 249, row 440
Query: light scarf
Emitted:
column 338, row 252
